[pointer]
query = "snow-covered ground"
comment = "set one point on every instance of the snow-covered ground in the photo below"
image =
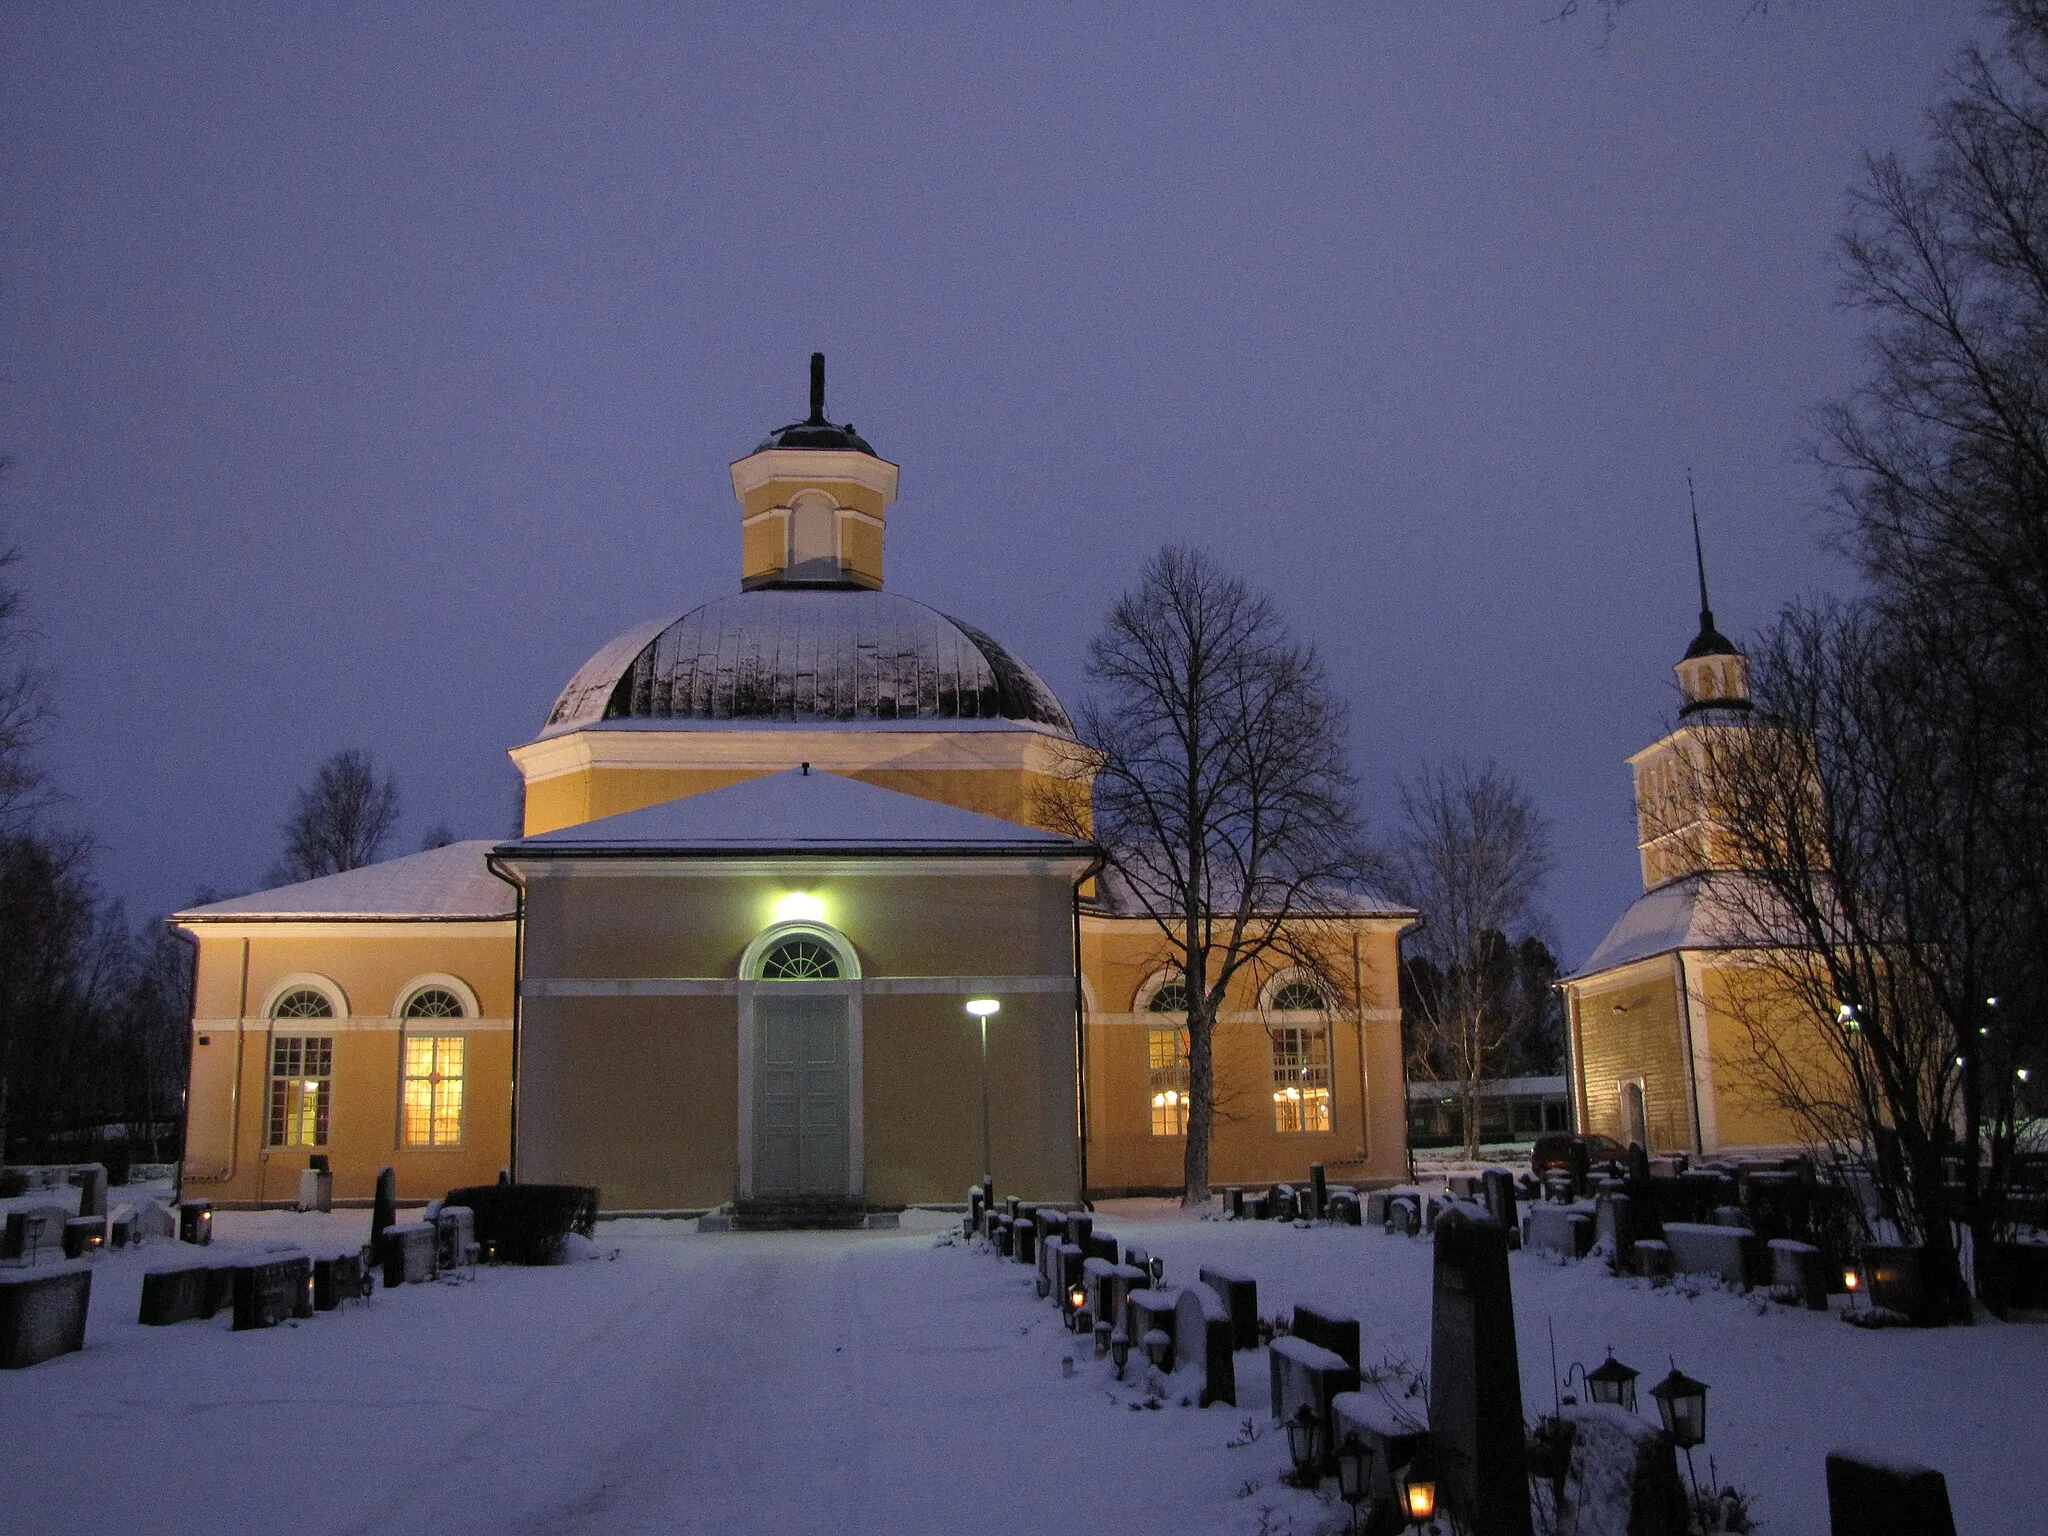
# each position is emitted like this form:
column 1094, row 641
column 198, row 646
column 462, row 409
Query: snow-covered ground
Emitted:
column 892, row 1382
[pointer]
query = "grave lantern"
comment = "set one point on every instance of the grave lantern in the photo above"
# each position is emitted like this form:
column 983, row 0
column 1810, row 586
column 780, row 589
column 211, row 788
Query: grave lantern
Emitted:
column 1682, row 1403
column 1416, row 1484
column 1354, row 1473
column 1077, row 1303
column 1612, row 1382
column 1158, row 1268
column 1102, row 1332
column 1158, row 1347
column 1304, row 1445
column 1119, row 1350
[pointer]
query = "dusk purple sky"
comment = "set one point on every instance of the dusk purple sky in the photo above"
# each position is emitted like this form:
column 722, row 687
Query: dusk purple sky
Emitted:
column 364, row 368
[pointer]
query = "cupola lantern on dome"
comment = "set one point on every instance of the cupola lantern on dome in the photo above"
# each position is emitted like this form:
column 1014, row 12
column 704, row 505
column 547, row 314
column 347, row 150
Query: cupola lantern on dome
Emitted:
column 813, row 497
column 1714, row 674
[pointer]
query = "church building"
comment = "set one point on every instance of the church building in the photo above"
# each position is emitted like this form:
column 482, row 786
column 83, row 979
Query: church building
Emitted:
column 1659, row 1019
column 788, row 926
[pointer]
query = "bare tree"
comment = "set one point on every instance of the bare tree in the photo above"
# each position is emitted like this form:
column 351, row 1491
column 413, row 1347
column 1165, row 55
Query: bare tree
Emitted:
column 342, row 820
column 1471, row 855
column 1221, row 794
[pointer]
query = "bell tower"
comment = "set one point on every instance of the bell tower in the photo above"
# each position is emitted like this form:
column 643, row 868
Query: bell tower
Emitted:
column 813, row 497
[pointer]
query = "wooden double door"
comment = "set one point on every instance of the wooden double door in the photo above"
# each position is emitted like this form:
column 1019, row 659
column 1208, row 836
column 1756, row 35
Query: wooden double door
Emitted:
column 800, row 1095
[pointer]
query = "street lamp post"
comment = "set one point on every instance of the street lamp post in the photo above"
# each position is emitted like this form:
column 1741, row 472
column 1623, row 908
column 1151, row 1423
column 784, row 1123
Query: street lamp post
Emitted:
column 980, row 1008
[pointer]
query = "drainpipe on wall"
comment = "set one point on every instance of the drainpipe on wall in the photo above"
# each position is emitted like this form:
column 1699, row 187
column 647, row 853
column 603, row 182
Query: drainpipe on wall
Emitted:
column 1081, row 1031
column 1692, row 1071
column 235, row 1094
column 518, row 981
column 1358, row 1019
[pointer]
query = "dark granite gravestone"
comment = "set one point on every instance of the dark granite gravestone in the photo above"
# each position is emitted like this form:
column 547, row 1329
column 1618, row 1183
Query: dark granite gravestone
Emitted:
column 92, row 1190
column 1614, row 1230
column 1233, row 1204
column 1898, row 1283
column 1497, row 1190
column 267, row 1293
column 1259, row 1207
column 1240, row 1297
column 1476, row 1429
column 1332, row 1330
column 1404, row 1215
column 1136, row 1257
column 1732, row 1254
column 121, row 1227
column 1305, row 1373
column 1652, row 1258
column 336, row 1280
column 34, row 1233
column 195, row 1221
column 1013, row 1205
column 1581, row 1166
column 1024, row 1240
column 1281, row 1202
column 1638, row 1162
column 1147, row 1312
column 383, row 1212
column 1869, row 1496
column 83, row 1235
column 455, row 1236
column 974, row 1208
column 1100, row 1245
column 1203, row 1339
column 1079, row 1225
column 1621, row 1475
column 409, row 1252
column 42, row 1315
column 1343, row 1208
column 179, row 1294
column 1318, row 1192
column 1562, row 1229
column 999, row 1230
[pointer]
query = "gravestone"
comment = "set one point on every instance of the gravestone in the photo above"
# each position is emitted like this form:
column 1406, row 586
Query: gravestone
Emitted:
column 383, row 1212
column 1260, row 1207
column 1562, row 1229
column 153, row 1220
column 1024, row 1240
column 1653, row 1258
column 1393, row 1433
column 974, row 1208
column 409, row 1251
column 1147, row 1312
column 1898, row 1283
column 42, row 1315
column 999, row 1230
column 267, row 1293
column 92, row 1190
column 1581, row 1159
column 83, row 1235
column 121, row 1227
column 1079, row 1226
column 1497, row 1190
column 338, row 1279
column 1614, row 1229
column 1621, row 1478
column 1203, row 1340
column 179, row 1293
column 1318, row 1192
column 1332, row 1330
column 316, row 1190
column 1100, row 1245
column 1281, row 1203
column 1233, row 1204
column 1343, row 1209
column 1305, row 1373
column 1404, row 1215
column 1799, row 1274
column 1732, row 1254
column 1872, row 1496
column 1476, row 1428
column 1136, row 1257
column 1240, row 1297
column 37, row 1232
column 1638, row 1162
column 455, row 1236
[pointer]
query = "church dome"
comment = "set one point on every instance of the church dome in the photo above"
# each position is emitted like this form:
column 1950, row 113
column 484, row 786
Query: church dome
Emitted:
column 816, row 656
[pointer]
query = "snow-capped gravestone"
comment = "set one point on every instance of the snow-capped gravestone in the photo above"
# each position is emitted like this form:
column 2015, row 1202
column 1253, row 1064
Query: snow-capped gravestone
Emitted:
column 92, row 1190
column 1332, row 1330
column 1307, row 1374
column 1476, row 1428
column 154, row 1221
column 1871, row 1496
column 1240, row 1295
column 1497, row 1189
column 1393, row 1431
column 1621, row 1478
column 1203, row 1340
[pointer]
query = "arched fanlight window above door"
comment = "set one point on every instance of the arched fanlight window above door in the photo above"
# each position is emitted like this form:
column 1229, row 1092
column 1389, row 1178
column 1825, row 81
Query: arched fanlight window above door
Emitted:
column 800, row 958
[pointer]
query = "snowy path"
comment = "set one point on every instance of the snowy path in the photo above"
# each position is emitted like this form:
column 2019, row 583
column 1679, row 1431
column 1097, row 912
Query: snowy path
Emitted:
column 793, row 1382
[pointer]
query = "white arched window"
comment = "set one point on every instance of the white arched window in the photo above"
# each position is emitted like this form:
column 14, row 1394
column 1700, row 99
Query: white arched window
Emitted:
column 800, row 951
column 434, row 1061
column 302, row 1010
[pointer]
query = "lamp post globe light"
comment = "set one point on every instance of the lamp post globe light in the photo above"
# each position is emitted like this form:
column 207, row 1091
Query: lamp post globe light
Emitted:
column 981, row 1010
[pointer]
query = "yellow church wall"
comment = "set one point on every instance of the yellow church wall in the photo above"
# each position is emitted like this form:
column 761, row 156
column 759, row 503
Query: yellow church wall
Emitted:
column 645, row 1089
column 1368, row 1135
column 1642, row 1042
column 1749, row 1110
column 764, row 546
column 635, row 1095
column 860, row 550
column 373, row 965
column 922, row 1097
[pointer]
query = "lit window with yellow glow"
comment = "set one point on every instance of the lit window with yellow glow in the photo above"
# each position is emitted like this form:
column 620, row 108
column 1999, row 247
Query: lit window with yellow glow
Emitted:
column 1301, row 1079
column 433, row 1090
column 301, row 1082
column 1166, row 1079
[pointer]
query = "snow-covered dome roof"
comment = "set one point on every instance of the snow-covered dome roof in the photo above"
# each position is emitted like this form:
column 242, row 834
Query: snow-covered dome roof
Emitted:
column 806, row 656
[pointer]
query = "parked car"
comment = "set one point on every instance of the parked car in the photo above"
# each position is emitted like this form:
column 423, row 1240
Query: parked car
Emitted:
column 1555, row 1151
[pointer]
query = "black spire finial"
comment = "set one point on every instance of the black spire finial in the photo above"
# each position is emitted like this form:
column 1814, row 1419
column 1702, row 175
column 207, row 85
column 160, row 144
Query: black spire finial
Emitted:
column 1699, row 554
column 817, row 390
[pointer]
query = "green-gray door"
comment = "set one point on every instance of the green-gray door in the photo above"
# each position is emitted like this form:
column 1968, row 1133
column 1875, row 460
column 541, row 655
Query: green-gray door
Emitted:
column 799, row 1094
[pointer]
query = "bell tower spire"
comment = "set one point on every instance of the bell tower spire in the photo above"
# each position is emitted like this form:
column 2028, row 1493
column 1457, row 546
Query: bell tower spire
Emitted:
column 813, row 498
column 1714, row 674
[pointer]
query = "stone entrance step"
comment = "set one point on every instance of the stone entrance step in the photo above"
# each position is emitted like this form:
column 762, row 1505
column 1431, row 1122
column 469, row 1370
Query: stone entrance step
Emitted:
column 797, row 1213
